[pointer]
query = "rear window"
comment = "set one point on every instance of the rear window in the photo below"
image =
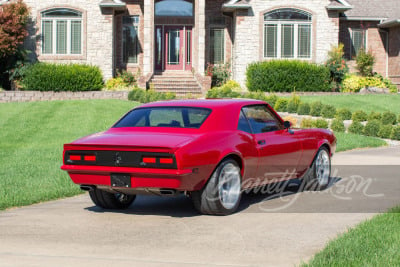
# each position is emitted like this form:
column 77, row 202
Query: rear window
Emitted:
column 173, row 117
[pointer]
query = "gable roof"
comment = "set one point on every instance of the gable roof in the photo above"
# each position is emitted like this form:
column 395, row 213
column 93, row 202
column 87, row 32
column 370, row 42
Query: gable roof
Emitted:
column 377, row 9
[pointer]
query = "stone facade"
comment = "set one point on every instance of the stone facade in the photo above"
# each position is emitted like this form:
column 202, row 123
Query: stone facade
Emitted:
column 249, row 31
column 97, row 33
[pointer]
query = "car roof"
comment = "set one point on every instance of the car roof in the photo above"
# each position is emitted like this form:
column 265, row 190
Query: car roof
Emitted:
column 206, row 103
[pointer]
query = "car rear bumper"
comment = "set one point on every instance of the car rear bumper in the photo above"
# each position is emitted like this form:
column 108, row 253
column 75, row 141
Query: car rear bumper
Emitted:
column 182, row 180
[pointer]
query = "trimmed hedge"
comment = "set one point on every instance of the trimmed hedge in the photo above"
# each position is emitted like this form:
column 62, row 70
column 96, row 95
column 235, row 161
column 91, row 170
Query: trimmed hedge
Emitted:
column 359, row 115
column 389, row 118
column 62, row 77
column 143, row 96
column 343, row 114
column 287, row 76
column 304, row 109
column 356, row 128
column 316, row 108
column 320, row 123
column 372, row 128
column 328, row 111
column 395, row 133
column 281, row 104
column 385, row 131
column 338, row 126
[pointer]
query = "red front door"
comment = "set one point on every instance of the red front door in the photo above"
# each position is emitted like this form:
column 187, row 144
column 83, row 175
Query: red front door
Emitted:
column 173, row 49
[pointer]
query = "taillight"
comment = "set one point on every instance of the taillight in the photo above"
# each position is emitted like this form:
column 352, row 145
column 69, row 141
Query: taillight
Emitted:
column 149, row 160
column 89, row 158
column 166, row 160
column 75, row 157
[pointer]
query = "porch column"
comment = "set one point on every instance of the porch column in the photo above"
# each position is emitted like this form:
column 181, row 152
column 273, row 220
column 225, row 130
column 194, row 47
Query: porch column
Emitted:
column 200, row 22
column 148, row 42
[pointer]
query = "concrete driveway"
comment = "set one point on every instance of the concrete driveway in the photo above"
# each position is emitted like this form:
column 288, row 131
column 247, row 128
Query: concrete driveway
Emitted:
column 269, row 230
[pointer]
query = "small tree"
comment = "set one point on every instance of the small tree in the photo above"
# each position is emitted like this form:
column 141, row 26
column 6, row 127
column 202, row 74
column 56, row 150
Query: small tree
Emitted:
column 337, row 65
column 13, row 21
column 365, row 63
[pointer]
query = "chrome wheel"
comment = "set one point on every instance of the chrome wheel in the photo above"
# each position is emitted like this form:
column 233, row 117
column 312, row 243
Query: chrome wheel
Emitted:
column 322, row 167
column 229, row 185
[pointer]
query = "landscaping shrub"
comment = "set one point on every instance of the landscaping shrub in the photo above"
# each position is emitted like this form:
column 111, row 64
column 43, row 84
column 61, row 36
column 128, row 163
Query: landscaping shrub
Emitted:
column 337, row 65
column 337, row 125
column 143, row 96
column 255, row 95
column 374, row 116
column 220, row 74
column 293, row 103
column 356, row 127
column 365, row 62
column 281, row 104
column 385, row 131
column 287, row 76
column 123, row 80
column 328, row 111
column 62, row 77
column 271, row 99
column 395, row 133
column 320, row 123
column 343, row 114
column 359, row 115
column 354, row 83
column 398, row 119
column 14, row 19
column 388, row 118
column 306, row 123
column 315, row 108
column 372, row 128
column 219, row 92
column 304, row 109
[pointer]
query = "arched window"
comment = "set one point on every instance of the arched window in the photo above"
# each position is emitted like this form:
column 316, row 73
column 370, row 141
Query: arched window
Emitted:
column 287, row 34
column 174, row 8
column 61, row 32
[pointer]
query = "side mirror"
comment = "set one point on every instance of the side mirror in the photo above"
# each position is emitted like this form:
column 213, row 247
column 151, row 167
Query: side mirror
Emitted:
column 287, row 124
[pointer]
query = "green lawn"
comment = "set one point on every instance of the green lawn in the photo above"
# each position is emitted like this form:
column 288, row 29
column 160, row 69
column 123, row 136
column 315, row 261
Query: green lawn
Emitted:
column 32, row 136
column 368, row 103
column 375, row 242
column 31, row 143
column 348, row 141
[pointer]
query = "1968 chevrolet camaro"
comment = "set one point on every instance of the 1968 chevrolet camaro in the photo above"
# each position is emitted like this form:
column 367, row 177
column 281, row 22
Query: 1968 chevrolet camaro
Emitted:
column 211, row 150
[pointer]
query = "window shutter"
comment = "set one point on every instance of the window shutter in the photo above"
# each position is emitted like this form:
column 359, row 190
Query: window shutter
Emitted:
column 270, row 40
column 304, row 42
column 61, row 37
column 287, row 40
column 217, row 46
column 47, row 39
column 76, row 38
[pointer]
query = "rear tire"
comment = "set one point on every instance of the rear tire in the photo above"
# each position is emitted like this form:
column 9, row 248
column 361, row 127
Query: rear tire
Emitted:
column 107, row 200
column 221, row 195
column 318, row 175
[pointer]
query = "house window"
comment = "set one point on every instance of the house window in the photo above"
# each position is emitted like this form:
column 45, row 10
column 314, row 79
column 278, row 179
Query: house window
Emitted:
column 287, row 34
column 62, row 32
column 130, row 40
column 358, row 41
column 217, row 45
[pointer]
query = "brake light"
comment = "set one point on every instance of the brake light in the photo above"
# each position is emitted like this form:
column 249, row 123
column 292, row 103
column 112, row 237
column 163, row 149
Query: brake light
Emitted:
column 89, row 158
column 75, row 157
column 166, row 161
column 149, row 160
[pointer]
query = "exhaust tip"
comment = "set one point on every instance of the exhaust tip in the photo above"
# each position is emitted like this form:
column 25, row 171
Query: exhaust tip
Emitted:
column 168, row 192
column 87, row 187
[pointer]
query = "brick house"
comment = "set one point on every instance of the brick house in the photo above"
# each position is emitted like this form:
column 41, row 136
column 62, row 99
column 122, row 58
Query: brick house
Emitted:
column 375, row 26
column 175, row 38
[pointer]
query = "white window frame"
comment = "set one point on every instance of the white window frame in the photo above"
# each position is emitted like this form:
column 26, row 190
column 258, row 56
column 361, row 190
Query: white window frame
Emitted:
column 54, row 21
column 296, row 25
column 352, row 41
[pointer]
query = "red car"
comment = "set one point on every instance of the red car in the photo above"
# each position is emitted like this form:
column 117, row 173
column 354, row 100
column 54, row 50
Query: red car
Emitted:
column 211, row 150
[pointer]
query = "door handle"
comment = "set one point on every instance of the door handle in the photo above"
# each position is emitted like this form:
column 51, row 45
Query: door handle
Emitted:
column 261, row 142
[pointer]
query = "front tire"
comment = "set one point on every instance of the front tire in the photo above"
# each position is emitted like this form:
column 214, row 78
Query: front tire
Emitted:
column 221, row 195
column 318, row 176
column 107, row 200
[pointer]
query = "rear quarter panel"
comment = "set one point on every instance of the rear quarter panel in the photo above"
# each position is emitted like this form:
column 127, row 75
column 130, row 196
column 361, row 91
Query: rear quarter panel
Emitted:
column 312, row 141
column 207, row 151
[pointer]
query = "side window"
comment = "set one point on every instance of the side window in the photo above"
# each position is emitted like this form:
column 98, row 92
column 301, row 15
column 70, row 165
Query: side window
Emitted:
column 243, row 124
column 261, row 119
